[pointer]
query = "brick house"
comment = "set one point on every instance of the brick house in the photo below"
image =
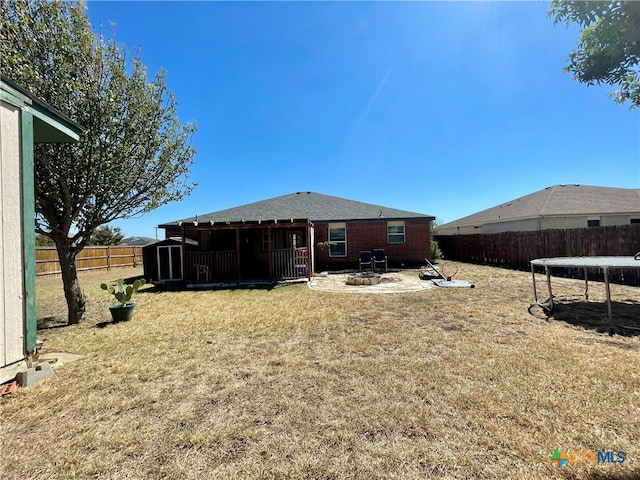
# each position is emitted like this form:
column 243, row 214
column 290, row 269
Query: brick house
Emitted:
column 290, row 236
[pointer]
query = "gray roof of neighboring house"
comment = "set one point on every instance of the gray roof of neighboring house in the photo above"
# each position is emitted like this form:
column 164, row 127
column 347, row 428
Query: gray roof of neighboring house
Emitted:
column 558, row 200
column 308, row 205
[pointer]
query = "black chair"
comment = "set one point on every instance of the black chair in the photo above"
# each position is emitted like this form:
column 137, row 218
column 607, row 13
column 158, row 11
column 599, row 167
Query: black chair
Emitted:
column 379, row 258
column 365, row 260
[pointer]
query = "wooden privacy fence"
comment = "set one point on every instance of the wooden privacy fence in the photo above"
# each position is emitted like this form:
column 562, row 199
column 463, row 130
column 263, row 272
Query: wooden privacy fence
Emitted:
column 90, row 258
column 517, row 249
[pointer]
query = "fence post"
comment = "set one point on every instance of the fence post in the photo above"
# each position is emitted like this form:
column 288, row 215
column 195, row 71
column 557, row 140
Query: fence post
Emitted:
column 108, row 257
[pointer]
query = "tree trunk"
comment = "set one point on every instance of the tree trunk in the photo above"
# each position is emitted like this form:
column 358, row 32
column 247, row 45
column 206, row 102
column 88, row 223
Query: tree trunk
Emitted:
column 76, row 301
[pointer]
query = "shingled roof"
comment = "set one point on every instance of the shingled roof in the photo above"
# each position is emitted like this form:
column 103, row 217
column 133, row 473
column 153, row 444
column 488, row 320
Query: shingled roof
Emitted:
column 304, row 205
column 558, row 200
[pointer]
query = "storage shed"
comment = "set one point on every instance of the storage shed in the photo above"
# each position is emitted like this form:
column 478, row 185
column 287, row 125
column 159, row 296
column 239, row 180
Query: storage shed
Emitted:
column 24, row 120
column 163, row 260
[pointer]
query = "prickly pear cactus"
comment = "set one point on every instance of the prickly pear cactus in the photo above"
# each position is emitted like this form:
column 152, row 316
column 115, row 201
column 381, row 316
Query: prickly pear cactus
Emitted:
column 122, row 292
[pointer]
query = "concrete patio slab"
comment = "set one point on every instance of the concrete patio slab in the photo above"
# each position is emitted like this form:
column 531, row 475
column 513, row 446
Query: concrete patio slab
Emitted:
column 58, row 359
column 404, row 281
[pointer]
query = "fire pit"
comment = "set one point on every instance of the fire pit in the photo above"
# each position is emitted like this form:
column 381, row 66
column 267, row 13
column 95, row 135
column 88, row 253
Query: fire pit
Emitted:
column 363, row 278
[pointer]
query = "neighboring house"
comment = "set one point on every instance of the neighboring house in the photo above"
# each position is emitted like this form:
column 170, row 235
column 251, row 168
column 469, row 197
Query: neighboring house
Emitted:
column 24, row 120
column 284, row 237
column 556, row 207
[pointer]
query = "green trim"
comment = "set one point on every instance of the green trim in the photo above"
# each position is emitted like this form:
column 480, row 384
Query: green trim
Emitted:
column 28, row 232
column 50, row 127
column 13, row 96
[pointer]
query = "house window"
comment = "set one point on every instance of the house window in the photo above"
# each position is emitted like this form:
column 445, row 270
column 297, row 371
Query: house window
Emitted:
column 295, row 239
column 593, row 223
column 337, row 240
column 395, row 232
column 265, row 240
column 635, row 221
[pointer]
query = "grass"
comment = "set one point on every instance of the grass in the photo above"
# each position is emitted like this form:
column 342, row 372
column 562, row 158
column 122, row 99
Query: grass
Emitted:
column 294, row 383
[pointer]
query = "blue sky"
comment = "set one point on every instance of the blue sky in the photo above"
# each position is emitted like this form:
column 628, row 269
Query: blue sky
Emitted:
column 440, row 108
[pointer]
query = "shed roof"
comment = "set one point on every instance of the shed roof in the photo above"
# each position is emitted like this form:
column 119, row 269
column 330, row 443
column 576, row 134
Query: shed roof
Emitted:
column 51, row 126
column 558, row 200
column 309, row 205
column 170, row 241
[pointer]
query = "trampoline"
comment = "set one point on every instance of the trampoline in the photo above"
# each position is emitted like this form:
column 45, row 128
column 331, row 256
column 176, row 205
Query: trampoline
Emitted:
column 603, row 263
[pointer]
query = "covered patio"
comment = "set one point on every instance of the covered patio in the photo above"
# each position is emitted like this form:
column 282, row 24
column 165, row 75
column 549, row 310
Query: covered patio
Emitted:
column 203, row 253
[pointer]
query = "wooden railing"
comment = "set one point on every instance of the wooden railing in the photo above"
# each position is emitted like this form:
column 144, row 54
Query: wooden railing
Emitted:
column 289, row 263
column 211, row 267
column 90, row 258
column 221, row 267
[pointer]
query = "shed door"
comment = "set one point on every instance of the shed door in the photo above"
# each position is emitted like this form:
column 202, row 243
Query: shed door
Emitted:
column 170, row 262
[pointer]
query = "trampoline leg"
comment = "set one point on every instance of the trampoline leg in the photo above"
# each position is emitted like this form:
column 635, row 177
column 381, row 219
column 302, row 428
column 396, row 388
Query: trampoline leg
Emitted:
column 546, row 270
column 586, row 285
column 608, row 290
column 548, row 309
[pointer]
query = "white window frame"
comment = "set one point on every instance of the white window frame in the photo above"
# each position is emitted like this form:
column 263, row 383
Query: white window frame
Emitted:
column 337, row 242
column 396, row 234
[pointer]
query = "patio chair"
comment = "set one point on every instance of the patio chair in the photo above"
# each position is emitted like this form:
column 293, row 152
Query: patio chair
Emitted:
column 204, row 271
column 379, row 258
column 365, row 260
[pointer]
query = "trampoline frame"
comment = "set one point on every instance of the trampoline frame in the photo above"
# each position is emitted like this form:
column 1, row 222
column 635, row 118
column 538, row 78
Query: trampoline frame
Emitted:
column 603, row 263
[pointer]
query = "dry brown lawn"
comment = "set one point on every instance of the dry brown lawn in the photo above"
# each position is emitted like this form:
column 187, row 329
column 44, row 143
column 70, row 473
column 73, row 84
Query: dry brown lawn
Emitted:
column 295, row 383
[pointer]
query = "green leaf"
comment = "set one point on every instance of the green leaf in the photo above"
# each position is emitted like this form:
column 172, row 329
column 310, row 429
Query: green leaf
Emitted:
column 608, row 50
